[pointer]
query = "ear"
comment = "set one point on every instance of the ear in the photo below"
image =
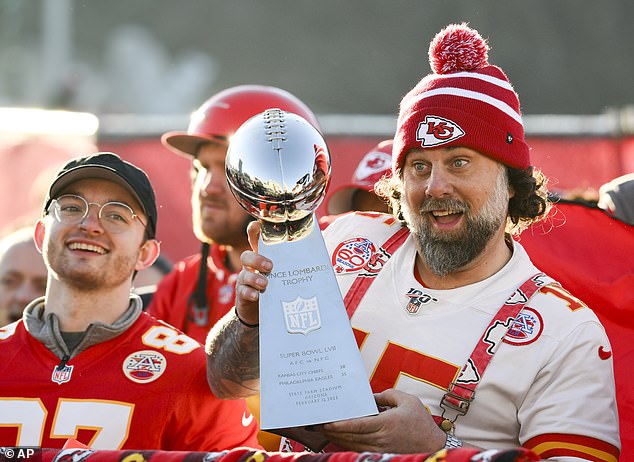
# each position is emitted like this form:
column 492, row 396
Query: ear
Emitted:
column 509, row 185
column 38, row 234
column 150, row 251
column 511, row 191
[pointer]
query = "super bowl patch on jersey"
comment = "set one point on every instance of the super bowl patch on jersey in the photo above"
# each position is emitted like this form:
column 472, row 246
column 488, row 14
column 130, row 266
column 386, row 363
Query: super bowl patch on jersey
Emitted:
column 352, row 255
column 527, row 328
column 144, row 366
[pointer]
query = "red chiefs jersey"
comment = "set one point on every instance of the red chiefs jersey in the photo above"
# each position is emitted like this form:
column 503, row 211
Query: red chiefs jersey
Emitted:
column 171, row 301
column 144, row 389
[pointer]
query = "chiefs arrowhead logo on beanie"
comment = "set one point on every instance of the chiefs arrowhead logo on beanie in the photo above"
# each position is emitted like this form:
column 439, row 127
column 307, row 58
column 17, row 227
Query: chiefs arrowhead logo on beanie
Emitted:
column 465, row 102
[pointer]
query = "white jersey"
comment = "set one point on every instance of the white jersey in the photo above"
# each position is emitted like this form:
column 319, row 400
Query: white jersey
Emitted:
column 549, row 386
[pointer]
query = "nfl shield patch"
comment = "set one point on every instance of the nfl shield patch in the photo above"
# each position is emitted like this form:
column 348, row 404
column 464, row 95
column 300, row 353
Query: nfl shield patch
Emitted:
column 301, row 315
column 416, row 299
column 62, row 375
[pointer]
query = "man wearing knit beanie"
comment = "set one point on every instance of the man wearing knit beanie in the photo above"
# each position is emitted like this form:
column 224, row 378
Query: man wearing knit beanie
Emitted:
column 465, row 341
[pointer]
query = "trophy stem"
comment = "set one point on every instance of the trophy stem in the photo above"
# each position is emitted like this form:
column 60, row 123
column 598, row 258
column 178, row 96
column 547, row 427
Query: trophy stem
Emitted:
column 275, row 233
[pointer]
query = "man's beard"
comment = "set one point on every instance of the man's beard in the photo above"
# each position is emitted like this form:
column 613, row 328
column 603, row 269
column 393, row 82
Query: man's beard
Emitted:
column 115, row 273
column 447, row 252
column 224, row 228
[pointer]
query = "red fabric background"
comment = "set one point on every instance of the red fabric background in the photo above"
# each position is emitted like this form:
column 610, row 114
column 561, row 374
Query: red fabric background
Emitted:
column 592, row 256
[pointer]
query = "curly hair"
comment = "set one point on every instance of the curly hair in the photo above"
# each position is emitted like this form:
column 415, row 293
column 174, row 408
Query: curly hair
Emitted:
column 528, row 205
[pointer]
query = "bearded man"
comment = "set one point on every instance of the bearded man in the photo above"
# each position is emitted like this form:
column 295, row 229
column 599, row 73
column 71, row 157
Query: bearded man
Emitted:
column 464, row 340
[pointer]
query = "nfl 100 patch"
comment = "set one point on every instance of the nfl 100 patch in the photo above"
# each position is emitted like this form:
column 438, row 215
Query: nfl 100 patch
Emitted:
column 416, row 299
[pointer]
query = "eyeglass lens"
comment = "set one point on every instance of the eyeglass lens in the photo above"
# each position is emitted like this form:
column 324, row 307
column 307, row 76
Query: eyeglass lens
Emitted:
column 115, row 217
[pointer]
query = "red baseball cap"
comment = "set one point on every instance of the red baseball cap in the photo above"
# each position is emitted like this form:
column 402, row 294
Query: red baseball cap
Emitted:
column 375, row 164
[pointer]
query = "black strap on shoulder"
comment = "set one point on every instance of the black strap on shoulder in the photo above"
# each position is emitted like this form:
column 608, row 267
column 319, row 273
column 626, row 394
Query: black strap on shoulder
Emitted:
column 198, row 306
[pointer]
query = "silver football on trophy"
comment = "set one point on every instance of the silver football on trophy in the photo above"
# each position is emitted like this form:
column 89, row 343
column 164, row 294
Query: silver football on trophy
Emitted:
column 278, row 168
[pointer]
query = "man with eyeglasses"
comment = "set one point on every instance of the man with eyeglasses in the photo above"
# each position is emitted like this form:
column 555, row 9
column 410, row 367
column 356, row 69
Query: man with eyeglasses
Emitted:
column 85, row 362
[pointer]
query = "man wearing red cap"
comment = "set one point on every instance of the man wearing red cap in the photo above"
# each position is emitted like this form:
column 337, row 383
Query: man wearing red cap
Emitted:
column 200, row 289
column 359, row 193
column 465, row 341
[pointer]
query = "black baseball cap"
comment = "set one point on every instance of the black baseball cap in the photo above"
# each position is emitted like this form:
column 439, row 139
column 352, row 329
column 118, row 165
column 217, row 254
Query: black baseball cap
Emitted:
column 108, row 166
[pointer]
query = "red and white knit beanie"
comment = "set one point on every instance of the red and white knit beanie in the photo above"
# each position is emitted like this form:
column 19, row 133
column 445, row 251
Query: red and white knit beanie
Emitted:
column 465, row 102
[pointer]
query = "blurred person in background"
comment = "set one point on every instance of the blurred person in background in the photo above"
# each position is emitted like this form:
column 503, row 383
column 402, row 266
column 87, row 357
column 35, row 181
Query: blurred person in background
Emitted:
column 22, row 273
column 359, row 193
column 146, row 281
column 201, row 288
column 617, row 198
